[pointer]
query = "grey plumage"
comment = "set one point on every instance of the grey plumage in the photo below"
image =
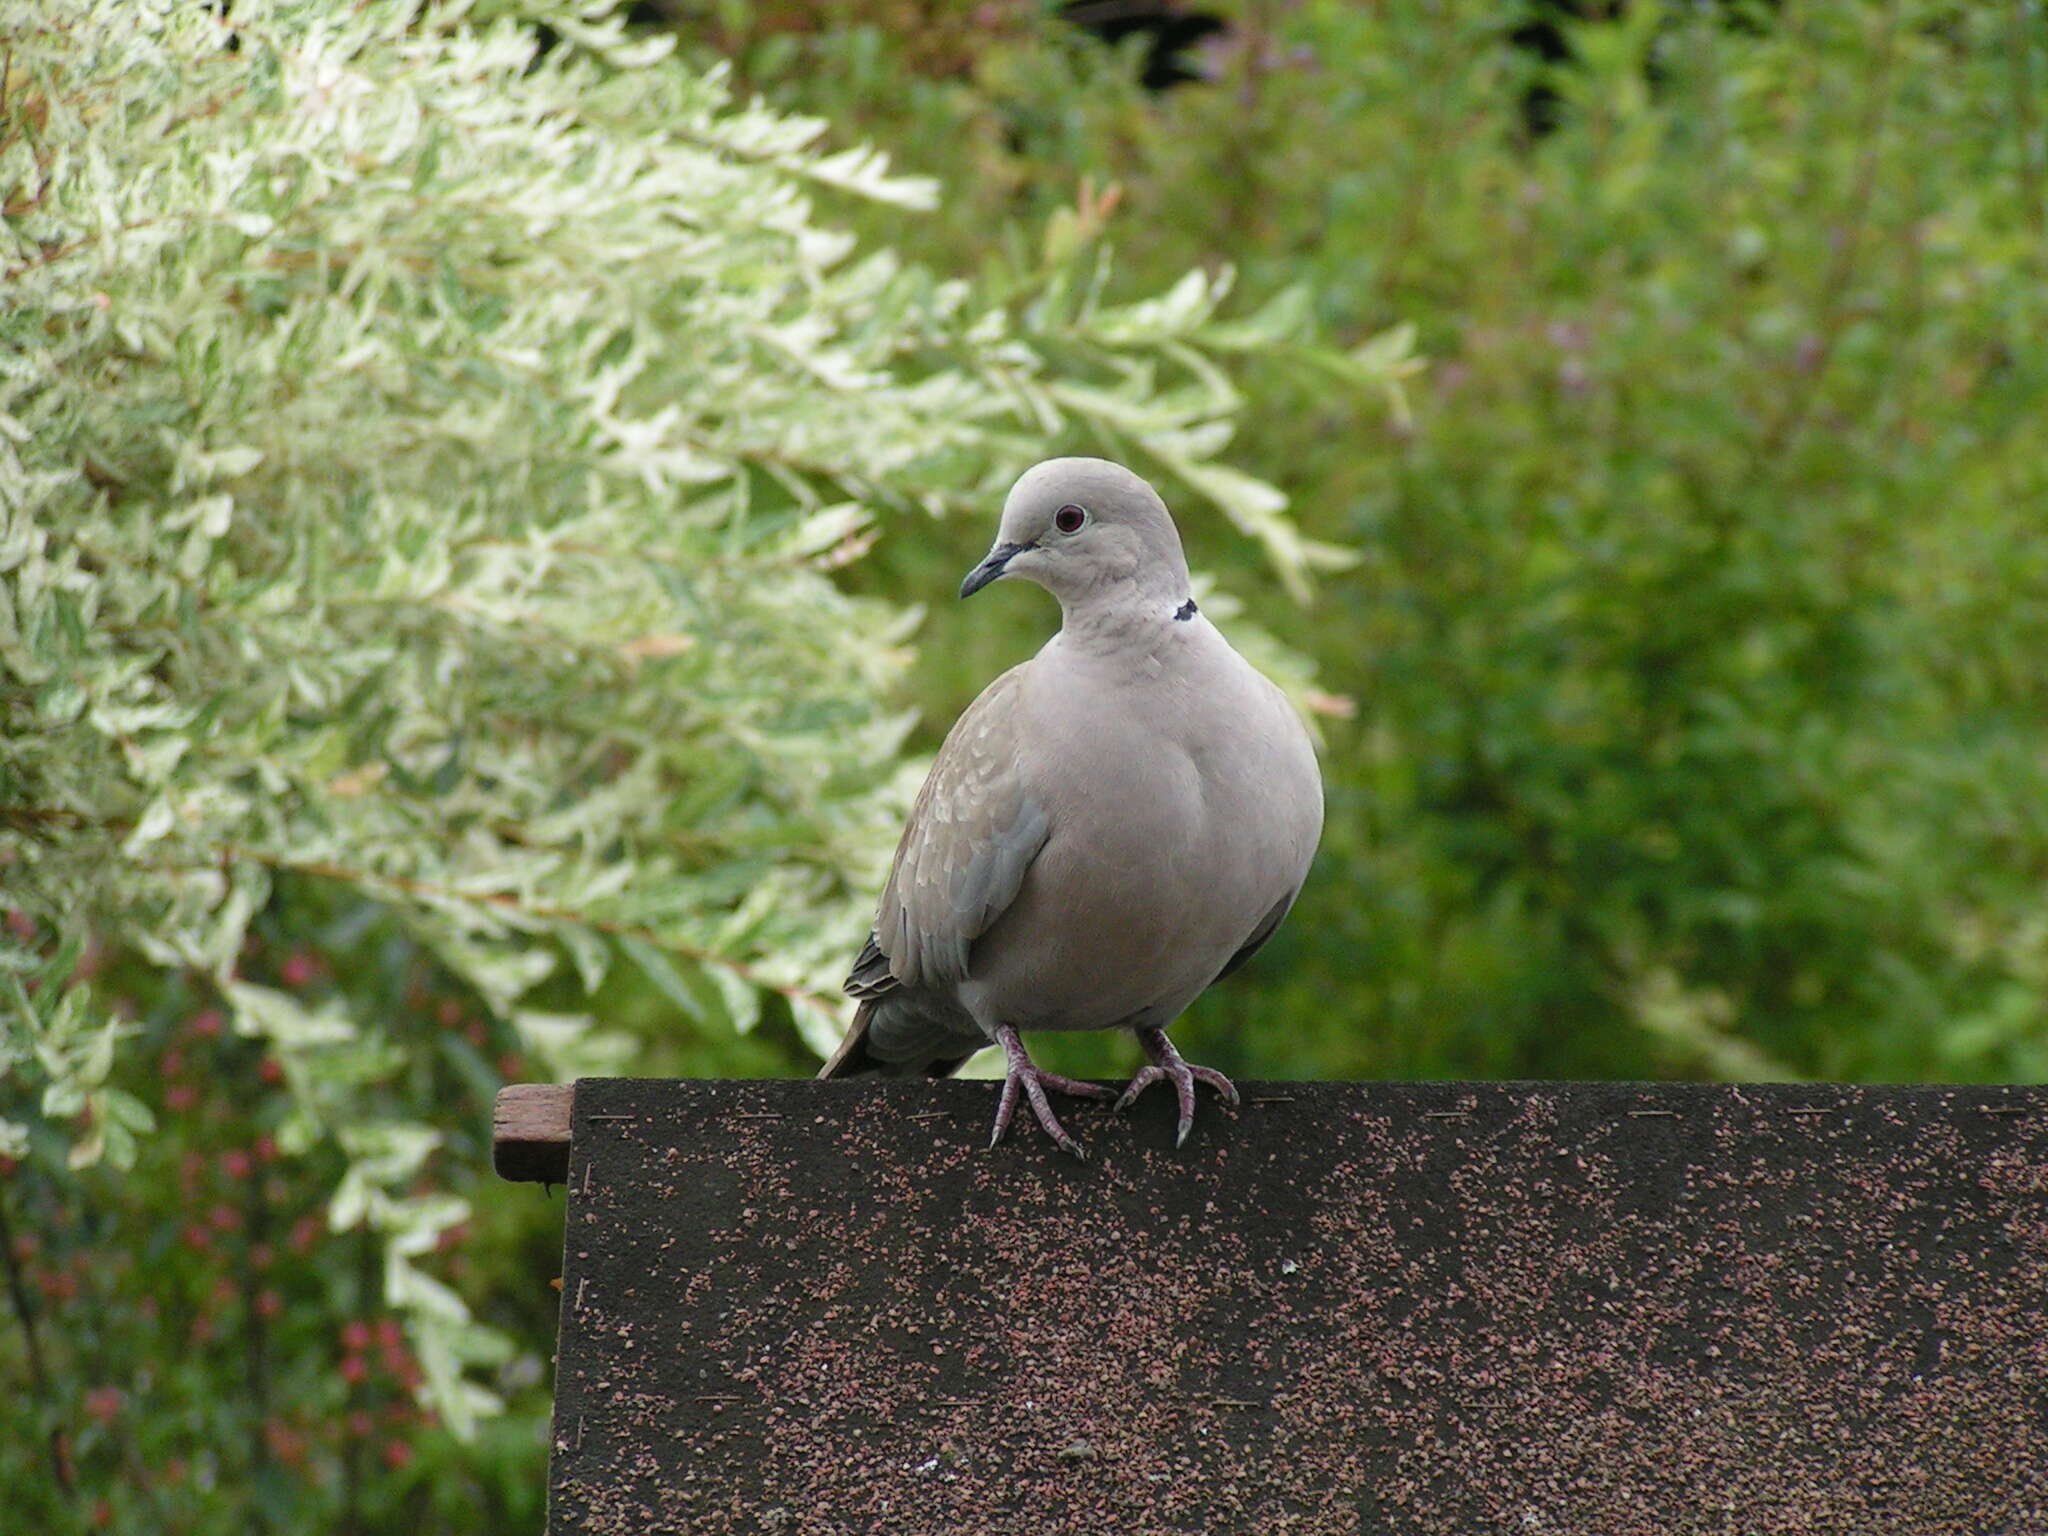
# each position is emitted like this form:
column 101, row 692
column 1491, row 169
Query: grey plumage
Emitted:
column 1108, row 829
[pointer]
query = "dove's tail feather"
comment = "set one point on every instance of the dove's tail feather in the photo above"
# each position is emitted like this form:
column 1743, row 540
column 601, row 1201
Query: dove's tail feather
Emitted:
column 852, row 1056
column 856, row 1057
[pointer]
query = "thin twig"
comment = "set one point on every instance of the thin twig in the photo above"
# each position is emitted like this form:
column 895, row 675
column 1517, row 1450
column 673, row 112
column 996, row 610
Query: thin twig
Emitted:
column 257, row 1364
column 2019, row 49
column 104, row 1368
column 352, row 1468
column 38, row 1368
column 1835, row 293
column 322, row 869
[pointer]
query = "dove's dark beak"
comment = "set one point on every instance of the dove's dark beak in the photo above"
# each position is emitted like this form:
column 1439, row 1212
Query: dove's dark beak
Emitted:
column 990, row 568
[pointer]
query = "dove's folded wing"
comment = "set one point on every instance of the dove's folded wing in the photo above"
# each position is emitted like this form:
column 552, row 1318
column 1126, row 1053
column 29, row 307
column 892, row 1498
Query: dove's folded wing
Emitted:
column 972, row 835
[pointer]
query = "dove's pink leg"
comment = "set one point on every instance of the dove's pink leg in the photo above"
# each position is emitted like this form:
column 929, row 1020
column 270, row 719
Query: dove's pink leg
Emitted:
column 1167, row 1067
column 1033, row 1083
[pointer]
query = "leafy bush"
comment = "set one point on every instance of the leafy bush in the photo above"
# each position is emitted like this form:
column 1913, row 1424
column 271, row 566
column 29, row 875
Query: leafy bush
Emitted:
column 1700, row 722
column 429, row 461
column 448, row 487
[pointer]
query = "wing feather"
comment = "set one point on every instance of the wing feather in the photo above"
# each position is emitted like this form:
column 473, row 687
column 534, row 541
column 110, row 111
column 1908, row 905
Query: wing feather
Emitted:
column 972, row 835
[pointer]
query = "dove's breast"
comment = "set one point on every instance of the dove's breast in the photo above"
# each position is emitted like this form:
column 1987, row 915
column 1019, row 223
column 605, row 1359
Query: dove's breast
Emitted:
column 1180, row 817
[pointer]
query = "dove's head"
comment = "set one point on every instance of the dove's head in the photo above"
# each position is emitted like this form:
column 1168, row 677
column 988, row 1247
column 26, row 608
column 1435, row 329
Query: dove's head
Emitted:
column 1090, row 532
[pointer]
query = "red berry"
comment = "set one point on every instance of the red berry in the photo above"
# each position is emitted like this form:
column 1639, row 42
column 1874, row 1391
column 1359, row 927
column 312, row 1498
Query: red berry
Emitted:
column 354, row 1369
column 272, row 1071
column 225, row 1218
column 269, row 1303
column 266, row 1150
column 104, row 1403
column 355, row 1336
column 180, row 1097
column 449, row 1012
column 397, row 1455
column 286, row 1443
column 207, row 1023
column 299, row 968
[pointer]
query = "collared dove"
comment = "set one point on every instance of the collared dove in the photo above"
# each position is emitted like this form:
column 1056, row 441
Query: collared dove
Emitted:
column 1108, row 829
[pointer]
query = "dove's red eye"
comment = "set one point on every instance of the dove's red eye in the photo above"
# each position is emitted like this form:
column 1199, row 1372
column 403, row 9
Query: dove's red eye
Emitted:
column 1069, row 519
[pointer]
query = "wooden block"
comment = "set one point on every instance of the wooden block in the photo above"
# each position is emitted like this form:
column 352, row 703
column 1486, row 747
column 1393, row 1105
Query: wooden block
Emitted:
column 1383, row 1309
column 530, row 1132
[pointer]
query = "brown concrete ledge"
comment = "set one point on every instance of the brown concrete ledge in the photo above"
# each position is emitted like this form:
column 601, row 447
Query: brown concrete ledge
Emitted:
column 1382, row 1309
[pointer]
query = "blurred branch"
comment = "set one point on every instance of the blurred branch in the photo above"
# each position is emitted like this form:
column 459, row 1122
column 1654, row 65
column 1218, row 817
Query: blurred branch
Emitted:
column 1835, row 292
column 2020, row 52
column 122, row 1427
column 368, row 1295
column 539, row 912
column 38, row 1369
column 255, row 1331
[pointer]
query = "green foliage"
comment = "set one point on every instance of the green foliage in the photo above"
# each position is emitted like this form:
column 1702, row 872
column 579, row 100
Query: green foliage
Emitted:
column 450, row 593
column 1699, row 718
column 1697, row 726
column 430, row 469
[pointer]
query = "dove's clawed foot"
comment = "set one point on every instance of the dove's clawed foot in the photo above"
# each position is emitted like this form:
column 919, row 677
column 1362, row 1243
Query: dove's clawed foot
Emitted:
column 1028, row 1080
column 1167, row 1067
